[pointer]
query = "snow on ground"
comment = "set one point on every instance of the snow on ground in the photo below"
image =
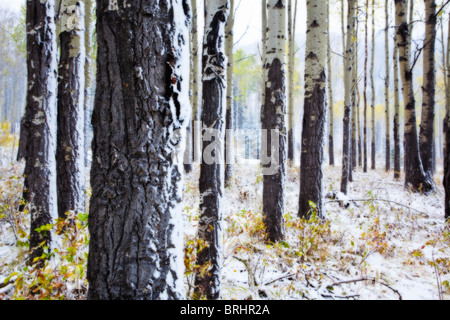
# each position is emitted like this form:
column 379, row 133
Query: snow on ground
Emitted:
column 387, row 247
column 388, row 243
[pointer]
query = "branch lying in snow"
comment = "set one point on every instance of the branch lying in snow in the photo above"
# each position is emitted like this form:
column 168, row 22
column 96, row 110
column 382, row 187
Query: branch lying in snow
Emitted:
column 381, row 200
column 339, row 297
column 251, row 278
column 280, row 278
column 374, row 281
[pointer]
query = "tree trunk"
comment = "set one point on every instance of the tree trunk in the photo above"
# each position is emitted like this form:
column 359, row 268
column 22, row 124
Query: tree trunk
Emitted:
column 229, row 43
column 397, row 169
column 330, row 93
column 212, row 171
column 291, row 73
column 354, row 98
column 372, row 85
column 346, row 151
column 264, row 49
column 194, row 83
column 366, row 58
column 426, row 135
column 40, row 121
column 415, row 175
column 447, row 129
column 89, row 25
column 386, row 91
column 314, row 118
column 272, row 120
column 70, row 156
column 141, row 107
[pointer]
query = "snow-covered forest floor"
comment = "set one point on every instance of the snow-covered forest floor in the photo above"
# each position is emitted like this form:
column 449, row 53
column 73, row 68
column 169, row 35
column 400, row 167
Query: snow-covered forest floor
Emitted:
column 395, row 240
column 387, row 244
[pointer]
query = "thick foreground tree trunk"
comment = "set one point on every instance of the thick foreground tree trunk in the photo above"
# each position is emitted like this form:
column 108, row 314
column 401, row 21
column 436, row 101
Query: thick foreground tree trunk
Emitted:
column 426, row 135
column 208, row 283
column 314, row 118
column 272, row 120
column 70, row 155
column 141, row 106
column 346, row 151
column 415, row 178
column 38, row 131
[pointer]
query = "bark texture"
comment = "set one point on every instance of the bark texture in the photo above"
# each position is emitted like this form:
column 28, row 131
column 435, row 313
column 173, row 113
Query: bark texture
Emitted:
column 346, row 150
column 38, row 131
column 141, row 106
column 88, row 74
column 208, row 284
column 229, row 44
column 386, row 91
column 372, row 90
column 195, row 83
column 272, row 118
column 70, row 155
column 397, row 169
column 426, row 134
column 366, row 58
column 292, row 13
column 415, row 177
column 330, row 93
column 447, row 129
column 315, row 111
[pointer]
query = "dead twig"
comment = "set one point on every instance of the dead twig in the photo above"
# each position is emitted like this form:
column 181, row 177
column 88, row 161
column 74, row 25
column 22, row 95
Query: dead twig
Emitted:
column 381, row 200
column 374, row 281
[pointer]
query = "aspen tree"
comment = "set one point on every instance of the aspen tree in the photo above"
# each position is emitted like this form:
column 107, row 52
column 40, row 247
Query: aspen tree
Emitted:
column 70, row 155
column 272, row 120
column 39, row 120
column 314, row 118
column 141, row 107
column 346, row 152
column 426, row 133
column 212, row 171
column 386, row 90
column 415, row 176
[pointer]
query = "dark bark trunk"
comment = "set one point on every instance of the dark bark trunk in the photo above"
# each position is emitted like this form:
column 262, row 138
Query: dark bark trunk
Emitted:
column 311, row 174
column 348, row 66
column 208, row 284
column 447, row 166
column 136, row 246
column 38, row 131
column 366, row 58
column 397, row 169
column 386, row 89
column 426, row 135
column 415, row 176
column 229, row 44
column 70, row 154
column 273, row 184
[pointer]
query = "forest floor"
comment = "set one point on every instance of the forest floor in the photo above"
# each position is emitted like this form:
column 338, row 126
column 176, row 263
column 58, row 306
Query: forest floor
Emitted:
column 379, row 242
column 389, row 244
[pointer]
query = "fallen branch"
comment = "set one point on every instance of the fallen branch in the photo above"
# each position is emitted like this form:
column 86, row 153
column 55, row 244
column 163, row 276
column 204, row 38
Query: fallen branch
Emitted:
column 381, row 200
column 278, row 279
column 340, row 297
column 365, row 279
